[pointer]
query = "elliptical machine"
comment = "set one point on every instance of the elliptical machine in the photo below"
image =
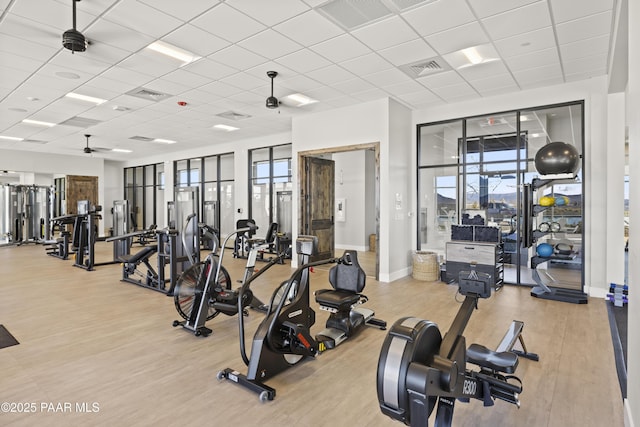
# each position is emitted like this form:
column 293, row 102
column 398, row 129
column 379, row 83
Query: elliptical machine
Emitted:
column 418, row 368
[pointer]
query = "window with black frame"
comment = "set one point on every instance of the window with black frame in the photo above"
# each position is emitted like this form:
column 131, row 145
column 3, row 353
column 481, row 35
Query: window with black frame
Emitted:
column 144, row 189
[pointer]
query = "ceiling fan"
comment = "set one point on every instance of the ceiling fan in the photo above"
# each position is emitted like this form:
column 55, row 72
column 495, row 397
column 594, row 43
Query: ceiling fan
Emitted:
column 73, row 39
column 272, row 101
column 89, row 150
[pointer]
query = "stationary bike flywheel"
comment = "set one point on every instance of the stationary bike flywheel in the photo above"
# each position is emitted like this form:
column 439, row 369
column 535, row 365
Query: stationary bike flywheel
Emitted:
column 187, row 286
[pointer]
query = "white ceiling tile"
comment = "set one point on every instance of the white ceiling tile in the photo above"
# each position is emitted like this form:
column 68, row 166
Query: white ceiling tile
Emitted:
column 221, row 89
column 522, row 20
column 125, row 75
column 483, row 71
column 150, row 63
column 584, row 28
column 585, row 74
column 353, row 86
column 268, row 13
column 211, row 69
column 538, row 74
column 594, row 62
column 386, row 77
column 184, row 11
column 331, row 75
column 31, row 31
column 386, row 33
column 341, row 48
column 439, row 16
column 586, row 47
column 541, row 83
column 494, row 82
column 408, row 52
column 116, row 35
column 186, row 78
column 309, row 28
column 303, row 61
column 155, row 23
column 13, row 62
column 195, row 40
column 270, row 44
column 406, row 87
column 458, row 38
column 447, row 78
column 166, row 86
column 238, row 57
column 102, row 83
column 301, row 83
column 534, row 59
column 249, row 97
column 228, row 23
column 28, row 49
column 526, row 43
column 52, row 14
column 567, row 11
column 366, row 64
column 420, row 97
column 484, row 8
column 244, row 81
column 324, row 92
column 457, row 91
column 498, row 90
column 260, row 71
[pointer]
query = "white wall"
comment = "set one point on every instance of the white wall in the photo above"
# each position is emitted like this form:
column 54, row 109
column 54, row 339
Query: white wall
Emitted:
column 45, row 163
column 383, row 121
column 593, row 92
column 349, row 185
column 113, row 190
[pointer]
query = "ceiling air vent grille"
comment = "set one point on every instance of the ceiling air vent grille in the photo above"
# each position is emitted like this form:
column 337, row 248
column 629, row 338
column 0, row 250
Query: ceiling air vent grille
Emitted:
column 81, row 122
column 233, row 115
column 148, row 94
column 141, row 138
column 425, row 67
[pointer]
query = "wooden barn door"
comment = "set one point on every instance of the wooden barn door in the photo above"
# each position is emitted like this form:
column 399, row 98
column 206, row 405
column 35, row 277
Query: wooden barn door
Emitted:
column 80, row 188
column 317, row 201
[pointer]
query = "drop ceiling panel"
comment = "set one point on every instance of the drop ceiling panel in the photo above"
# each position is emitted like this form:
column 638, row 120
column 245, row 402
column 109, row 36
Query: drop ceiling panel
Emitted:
column 341, row 48
column 260, row 71
column 586, row 47
column 585, row 64
column 485, row 8
column 87, row 64
column 196, row 40
column 534, row 59
column 166, row 86
column 308, row 28
column 408, row 52
column 183, row 10
column 447, row 78
column 211, row 69
column 492, row 83
column 28, row 49
column 367, row 64
column 146, row 63
column 420, row 97
column 220, row 89
column 124, row 75
column 386, row 33
column 522, row 20
column 12, row 63
column 303, row 61
column 117, row 35
column 265, row 12
column 238, row 57
column 526, row 42
column 407, row 87
column 564, row 11
column 300, row 83
column 454, row 92
column 439, row 16
column 331, row 75
column 584, row 28
column 538, row 74
column 270, row 44
column 52, row 14
column 244, row 81
column 228, row 23
column 386, row 77
column 187, row 78
column 353, row 86
column 482, row 71
column 458, row 38
column 32, row 31
column 155, row 23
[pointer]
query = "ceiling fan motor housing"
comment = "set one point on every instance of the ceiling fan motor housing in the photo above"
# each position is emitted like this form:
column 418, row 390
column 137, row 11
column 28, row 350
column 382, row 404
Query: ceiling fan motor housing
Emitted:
column 74, row 40
column 272, row 102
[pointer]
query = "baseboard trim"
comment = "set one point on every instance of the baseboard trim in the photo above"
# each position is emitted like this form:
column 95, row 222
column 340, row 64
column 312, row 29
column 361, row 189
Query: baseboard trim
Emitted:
column 628, row 419
column 352, row 247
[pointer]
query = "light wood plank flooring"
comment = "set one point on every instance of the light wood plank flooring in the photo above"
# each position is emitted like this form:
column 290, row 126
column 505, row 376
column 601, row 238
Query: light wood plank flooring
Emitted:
column 87, row 337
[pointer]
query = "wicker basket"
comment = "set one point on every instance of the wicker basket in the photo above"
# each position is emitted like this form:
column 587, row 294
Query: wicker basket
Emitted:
column 425, row 266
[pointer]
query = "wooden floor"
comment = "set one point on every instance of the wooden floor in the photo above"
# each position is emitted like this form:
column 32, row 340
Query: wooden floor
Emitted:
column 87, row 338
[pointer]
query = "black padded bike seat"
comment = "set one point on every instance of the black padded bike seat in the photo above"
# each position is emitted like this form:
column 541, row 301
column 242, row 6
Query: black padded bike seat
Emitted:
column 480, row 355
column 337, row 299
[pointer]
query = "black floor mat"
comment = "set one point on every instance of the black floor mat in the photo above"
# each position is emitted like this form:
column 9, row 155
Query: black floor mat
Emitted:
column 618, row 322
column 6, row 339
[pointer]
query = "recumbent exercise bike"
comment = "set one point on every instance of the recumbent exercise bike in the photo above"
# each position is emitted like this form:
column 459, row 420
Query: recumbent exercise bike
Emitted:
column 418, row 368
column 283, row 338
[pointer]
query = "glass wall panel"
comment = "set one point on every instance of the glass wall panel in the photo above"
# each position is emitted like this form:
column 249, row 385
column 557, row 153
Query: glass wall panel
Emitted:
column 438, row 143
column 227, row 167
column 210, row 168
column 438, row 206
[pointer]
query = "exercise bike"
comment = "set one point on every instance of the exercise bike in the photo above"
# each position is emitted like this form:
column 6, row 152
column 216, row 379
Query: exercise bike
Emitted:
column 418, row 368
column 204, row 290
column 283, row 339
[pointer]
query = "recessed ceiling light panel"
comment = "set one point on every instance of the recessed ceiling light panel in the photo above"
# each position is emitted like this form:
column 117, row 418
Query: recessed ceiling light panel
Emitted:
column 226, row 128
column 85, row 98
column 38, row 123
